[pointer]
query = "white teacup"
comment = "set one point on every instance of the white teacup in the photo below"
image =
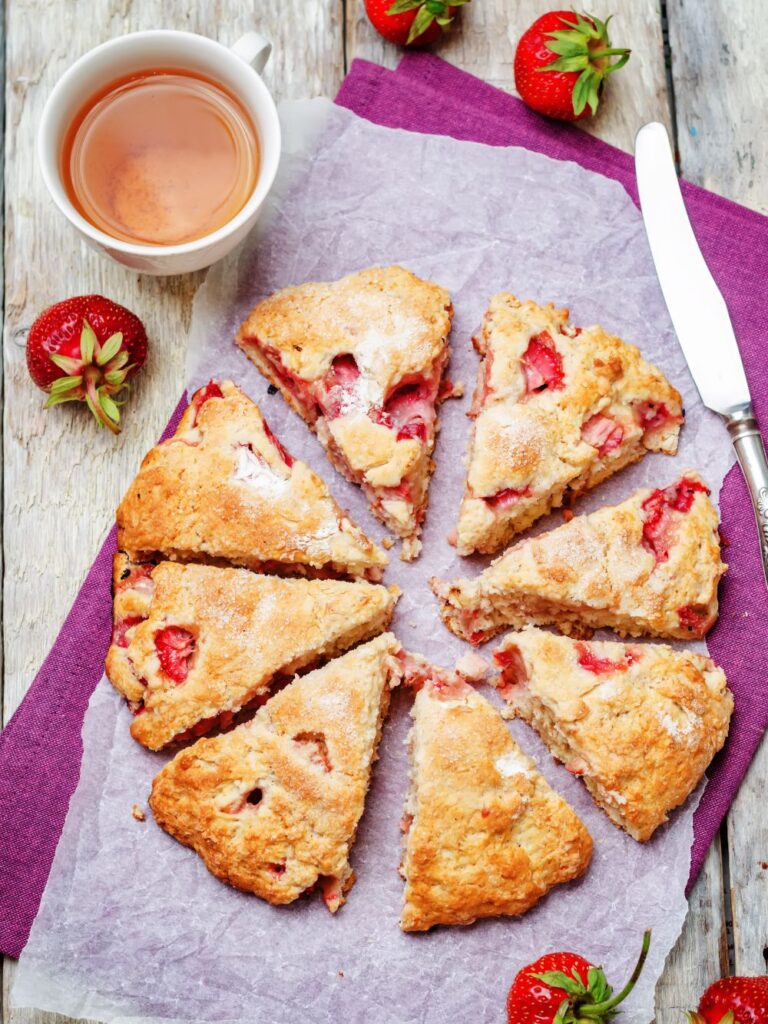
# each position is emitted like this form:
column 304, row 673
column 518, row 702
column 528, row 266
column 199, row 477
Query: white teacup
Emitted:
column 236, row 68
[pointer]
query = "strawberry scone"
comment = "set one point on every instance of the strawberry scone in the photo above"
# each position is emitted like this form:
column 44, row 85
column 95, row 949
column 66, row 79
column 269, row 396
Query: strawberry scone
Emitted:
column 361, row 360
column 638, row 723
column 194, row 645
column 649, row 566
column 484, row 833
column 273, row 806
column 223, row 489
column 557, row 410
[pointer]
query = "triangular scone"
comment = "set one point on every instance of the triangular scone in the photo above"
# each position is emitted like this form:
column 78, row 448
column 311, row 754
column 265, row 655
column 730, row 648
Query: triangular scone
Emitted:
column 361, row 360
column 639, row 723
column 223, row 488
column 194, row 644
column 557, row 409
column 484, row 833
column 650, row 565
column 273, row 806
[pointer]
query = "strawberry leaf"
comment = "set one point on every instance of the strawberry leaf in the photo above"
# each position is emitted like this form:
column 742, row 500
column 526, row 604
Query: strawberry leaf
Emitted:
column 88, row 343
column 562, row 1010
column 556, row 979
column 566, row 64
column 110, row 348
column 581, row 91
column 67, row 364
column 58, row 399
column 63, row 384
column 109, row 407
column 401, row 6
column 421, row 23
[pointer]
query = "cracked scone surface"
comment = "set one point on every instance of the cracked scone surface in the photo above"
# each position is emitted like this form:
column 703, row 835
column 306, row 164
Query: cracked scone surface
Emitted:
column 486, row 835
column 224, row 488
column 649, row 566
column 272, row 807
column 194, row 644
column 361, row 360
column 638, row 723
column 558, row 409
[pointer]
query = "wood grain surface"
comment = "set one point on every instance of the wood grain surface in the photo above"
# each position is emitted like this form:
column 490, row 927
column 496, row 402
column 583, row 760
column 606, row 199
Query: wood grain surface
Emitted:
column 63, row 478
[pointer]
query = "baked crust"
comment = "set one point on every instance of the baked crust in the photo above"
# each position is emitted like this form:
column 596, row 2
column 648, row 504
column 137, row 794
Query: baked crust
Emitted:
column 486, row 835
column 361, row 360
column 603, row 408
column 639, row 723
column 232, row 632
column 224, row 489
column 305, row 761
column 643, row 567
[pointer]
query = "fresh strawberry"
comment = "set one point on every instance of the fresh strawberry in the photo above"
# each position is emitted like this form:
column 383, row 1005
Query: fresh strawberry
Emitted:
column 562, row 61
column 564, row 988
column 734, row 1001
column 86, row 349
column 411, row 22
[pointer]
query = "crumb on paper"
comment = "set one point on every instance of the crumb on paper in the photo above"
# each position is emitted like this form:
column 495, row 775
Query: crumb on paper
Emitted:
column 138, row 813
column 410, row 550
column 472, row 667
column 387, row 543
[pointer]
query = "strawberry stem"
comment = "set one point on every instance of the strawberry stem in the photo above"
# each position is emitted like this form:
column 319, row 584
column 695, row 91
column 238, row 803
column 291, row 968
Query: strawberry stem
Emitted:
column 599, row 1010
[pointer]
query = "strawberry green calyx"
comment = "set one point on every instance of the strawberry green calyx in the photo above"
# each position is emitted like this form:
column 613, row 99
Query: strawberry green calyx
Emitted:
column 594, row 1002
column 584, row 46
column 96, row 377
column 428, row 11
column 696, row 1018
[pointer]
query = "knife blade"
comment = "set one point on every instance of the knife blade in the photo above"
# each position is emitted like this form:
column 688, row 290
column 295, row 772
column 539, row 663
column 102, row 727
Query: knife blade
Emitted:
column 699, row 313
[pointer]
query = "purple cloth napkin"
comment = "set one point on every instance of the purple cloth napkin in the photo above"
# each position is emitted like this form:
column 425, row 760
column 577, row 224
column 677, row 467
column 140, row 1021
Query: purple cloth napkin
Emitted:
column 428, row 95
column 40, row 749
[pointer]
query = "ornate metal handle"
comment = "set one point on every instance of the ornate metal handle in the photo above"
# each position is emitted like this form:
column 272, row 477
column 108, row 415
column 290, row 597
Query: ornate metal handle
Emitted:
column 750, row 452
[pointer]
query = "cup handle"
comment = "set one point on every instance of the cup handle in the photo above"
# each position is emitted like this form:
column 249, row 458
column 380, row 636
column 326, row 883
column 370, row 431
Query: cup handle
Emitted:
column 253, row 49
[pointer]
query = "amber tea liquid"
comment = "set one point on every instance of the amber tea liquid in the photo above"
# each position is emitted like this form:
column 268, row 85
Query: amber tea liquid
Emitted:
column 161, row 157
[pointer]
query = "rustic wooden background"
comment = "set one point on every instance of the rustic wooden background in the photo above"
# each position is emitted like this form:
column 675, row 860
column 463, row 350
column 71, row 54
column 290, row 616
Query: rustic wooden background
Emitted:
column 697, row 65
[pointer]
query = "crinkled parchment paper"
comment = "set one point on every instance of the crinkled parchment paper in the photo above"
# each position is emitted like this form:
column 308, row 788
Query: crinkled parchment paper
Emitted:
column 132, row 927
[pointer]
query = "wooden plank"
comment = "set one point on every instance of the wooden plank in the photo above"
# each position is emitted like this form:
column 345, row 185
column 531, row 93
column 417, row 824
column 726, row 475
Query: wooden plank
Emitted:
column 717, row 51
column 701, row 952
column 64, row 477
column 483, row 43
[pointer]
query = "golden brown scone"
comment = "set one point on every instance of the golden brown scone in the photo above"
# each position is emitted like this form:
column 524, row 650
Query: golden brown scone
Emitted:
column 639, row 723
column 361, row 360
column 484, row 833
column 650, row 565
column 224, row 489
column 194, row 644
column 558, row 409
column 273, row 806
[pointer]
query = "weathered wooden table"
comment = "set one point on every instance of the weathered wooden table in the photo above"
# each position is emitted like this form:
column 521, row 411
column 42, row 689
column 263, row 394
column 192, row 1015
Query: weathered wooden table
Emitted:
column 697, row 65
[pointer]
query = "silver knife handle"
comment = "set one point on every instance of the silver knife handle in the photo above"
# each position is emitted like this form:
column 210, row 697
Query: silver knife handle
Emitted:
column 745, row 434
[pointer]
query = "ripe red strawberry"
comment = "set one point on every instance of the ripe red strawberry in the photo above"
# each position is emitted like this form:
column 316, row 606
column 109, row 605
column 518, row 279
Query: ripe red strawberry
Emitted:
column 85, row 349
column 562, row 61
column 564, row 988
column 734, row 1001
column 411, row 22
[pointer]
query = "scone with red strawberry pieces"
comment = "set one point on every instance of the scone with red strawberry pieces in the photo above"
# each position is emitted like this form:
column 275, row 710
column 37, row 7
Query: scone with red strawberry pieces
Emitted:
column 485, row 835
column 649, row 566
column 557, row 410
column 361, row 360
column 638, row 723
column 224, row 489
column 272, row 807
column 193, row 646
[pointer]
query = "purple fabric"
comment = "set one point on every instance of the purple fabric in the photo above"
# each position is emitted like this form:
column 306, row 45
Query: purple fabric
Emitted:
column 426, row 94
column 40, row 749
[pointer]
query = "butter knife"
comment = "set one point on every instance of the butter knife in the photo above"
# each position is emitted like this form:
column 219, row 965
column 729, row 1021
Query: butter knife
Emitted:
column 699, row 314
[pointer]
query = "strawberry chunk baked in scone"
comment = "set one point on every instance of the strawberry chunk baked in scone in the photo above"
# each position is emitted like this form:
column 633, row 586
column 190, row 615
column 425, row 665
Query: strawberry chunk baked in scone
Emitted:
column 224, row 489
column 557, row 410
column 638, row 723
column 361, row 360
column 484, row 833
column 649, row 566
column 273, row 806
column 193, row 645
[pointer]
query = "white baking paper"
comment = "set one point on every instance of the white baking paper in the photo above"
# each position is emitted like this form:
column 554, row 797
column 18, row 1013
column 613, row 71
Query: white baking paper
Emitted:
column 132, row 928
